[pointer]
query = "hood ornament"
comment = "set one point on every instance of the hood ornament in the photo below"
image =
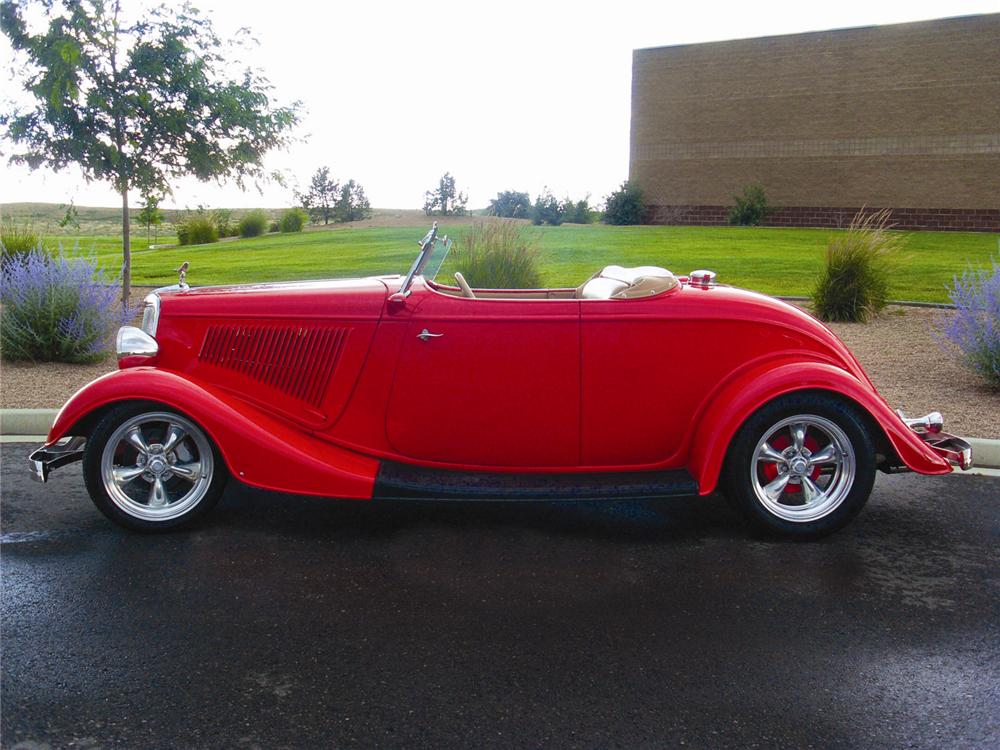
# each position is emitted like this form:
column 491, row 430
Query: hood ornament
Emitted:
column 181, row 272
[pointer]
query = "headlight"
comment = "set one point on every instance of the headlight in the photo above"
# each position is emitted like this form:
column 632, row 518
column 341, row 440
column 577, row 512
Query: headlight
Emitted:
column 151, row 313
column 132, row 342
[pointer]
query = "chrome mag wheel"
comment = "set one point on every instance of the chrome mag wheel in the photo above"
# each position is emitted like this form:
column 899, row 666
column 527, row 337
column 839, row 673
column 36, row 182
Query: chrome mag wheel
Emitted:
column 157, row 466
column 803, row 468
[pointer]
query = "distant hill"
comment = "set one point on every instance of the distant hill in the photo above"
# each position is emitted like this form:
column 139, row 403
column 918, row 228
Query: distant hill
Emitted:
column 105, row 221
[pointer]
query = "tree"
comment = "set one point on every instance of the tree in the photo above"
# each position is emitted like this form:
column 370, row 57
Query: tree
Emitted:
column 625, row 205
column 323, row 194
column 511, row 204
column 445, row 200
column 137, row 102
column 352, row 205
column 150, row 214
column 547, row 209
column 71, row 218
column 578, row 212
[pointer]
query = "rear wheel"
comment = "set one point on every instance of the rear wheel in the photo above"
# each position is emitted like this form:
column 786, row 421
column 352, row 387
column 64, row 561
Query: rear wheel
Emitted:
column 802, row 466
column 152, row 469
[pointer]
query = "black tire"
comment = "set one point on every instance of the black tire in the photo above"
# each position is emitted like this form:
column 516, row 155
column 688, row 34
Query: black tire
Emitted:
column 744, row 475
column 204, row 491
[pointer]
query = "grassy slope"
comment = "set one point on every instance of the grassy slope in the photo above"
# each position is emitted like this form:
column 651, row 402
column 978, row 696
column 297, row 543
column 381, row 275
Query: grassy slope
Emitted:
column 775, row 261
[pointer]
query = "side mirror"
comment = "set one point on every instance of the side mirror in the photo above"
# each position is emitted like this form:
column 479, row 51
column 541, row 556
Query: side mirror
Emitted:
column 397, row 301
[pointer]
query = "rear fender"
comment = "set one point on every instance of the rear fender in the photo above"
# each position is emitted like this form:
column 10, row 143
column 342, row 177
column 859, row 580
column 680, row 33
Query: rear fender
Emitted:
column 259, row 449
column 733, row 405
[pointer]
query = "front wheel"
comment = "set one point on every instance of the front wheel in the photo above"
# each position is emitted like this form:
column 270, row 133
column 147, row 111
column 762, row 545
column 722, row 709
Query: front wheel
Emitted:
column 151, row 469
column 802, row 466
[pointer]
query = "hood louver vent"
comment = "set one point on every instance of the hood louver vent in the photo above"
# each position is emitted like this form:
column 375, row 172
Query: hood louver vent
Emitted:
column 296, row 360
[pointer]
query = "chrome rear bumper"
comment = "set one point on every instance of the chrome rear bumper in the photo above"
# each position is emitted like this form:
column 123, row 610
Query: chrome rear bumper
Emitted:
column 49, row 457
column 953, row 449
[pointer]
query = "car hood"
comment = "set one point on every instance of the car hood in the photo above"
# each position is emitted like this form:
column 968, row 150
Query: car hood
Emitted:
column 335, row 298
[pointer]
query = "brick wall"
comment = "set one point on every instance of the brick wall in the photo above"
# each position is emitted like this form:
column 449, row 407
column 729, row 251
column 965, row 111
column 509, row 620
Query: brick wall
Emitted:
column 906, row 115
column 938, row 219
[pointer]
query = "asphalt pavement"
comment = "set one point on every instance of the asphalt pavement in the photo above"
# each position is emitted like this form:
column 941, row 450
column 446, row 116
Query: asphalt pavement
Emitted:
column 287, row 622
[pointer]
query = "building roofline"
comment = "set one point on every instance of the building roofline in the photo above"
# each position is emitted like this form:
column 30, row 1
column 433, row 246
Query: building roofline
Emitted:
column 816, row 32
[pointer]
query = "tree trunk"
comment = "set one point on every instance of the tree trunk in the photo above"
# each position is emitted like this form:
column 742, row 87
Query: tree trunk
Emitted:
column 126, row 249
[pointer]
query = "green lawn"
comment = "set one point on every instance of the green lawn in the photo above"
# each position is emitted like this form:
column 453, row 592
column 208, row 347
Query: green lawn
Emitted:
column 774, row 261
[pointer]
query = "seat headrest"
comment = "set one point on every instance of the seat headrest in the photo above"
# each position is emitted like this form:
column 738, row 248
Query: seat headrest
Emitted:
column 631, row 275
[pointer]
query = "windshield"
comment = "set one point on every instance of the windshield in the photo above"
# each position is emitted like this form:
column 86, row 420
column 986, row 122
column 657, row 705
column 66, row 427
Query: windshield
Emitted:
column 433, row 251
column 439, row 251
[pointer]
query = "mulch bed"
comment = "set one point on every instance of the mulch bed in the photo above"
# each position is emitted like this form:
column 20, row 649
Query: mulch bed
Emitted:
column 899, row 350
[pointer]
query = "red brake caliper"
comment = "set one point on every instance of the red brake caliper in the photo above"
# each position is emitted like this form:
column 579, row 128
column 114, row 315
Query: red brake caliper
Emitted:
column 779, row 444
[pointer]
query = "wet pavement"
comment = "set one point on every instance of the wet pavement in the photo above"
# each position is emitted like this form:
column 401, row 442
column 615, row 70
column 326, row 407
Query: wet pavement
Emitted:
column 285, row 622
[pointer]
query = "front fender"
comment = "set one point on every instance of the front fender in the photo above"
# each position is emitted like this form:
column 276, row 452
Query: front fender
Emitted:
column 259, row 449
column 741, row 397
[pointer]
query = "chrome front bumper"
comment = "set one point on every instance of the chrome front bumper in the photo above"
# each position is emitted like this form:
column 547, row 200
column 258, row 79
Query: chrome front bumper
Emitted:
column 49, row 457
column 955, row 450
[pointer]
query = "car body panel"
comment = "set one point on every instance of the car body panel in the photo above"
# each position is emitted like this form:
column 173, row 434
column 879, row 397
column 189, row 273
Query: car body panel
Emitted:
column 296, row 348
column 259, row 449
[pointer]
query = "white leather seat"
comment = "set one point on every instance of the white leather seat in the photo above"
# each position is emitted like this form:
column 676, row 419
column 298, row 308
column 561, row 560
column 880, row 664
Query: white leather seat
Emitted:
column 602, row 288
column 618, row 282
column 631, row 275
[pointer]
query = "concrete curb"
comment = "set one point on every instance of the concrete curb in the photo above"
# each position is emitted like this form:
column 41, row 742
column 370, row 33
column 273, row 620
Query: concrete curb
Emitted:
column 26, row 421
column 899, row 302
column 33, row 422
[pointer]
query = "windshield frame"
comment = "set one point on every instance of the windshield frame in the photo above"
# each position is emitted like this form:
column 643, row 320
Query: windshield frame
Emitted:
column 427, row 246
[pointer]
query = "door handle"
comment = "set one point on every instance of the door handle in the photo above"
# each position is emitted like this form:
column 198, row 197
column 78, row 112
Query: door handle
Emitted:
column 425, row 335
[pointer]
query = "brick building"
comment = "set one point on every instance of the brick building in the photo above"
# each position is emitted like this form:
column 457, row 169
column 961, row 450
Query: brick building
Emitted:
column 905, row 116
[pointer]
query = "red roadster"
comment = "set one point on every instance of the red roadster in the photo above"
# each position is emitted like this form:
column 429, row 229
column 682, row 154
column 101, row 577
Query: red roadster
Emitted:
column 637, row 384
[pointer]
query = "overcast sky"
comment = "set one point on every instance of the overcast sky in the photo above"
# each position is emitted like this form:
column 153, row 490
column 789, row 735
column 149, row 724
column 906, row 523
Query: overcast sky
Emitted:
column 515, row 95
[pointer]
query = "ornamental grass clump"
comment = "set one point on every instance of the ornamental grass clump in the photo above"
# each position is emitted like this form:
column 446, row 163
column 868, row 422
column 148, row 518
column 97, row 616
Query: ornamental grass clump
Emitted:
column 975, row 327
column 498, row 255
column 17, row 239
column 292, row 220
column 854, row 283
column 253, row 224
column 58, row 308
column 199, row 229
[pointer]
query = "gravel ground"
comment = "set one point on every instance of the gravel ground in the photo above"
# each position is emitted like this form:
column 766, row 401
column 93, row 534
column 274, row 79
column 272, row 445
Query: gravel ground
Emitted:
column 909, row 366
column 898, row 350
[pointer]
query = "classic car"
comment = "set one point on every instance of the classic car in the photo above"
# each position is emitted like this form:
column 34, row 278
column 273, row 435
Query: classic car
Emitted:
column 637, row 384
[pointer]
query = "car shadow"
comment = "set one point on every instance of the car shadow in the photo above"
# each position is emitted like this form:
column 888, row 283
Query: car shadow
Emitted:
column 687, row 518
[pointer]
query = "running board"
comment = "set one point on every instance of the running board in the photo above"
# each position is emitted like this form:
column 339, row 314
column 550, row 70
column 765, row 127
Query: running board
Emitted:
column 397, row 481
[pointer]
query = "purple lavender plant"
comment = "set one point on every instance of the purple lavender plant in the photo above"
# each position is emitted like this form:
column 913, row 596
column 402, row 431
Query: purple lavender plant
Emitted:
column 975, row 328
column 58, row 308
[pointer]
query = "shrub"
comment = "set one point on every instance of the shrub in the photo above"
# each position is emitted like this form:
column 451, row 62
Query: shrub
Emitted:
column 292, row 220
column 199, row 229
column 854, row 283
column 58, row 308
column 17, row 239
column 254, row 224
column 625, row 206
column 223, row 220
column 975, row 327
column 578, row 212
column 547, row 210
column 498, row 255
column 750, row 208
column 274, row 227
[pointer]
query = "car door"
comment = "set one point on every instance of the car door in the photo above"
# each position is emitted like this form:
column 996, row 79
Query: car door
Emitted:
column 488, row 382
